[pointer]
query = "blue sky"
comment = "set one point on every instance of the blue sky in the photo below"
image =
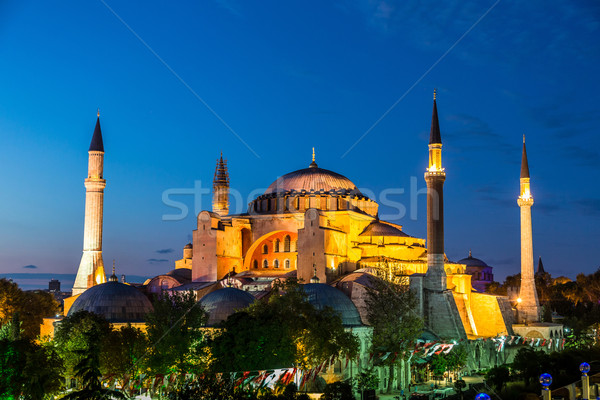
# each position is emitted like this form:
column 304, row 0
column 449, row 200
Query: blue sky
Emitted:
column 284, row 77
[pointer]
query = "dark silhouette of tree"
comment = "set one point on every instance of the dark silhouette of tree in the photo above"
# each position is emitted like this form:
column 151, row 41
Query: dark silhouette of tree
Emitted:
column 174, row 330
column 391, row 313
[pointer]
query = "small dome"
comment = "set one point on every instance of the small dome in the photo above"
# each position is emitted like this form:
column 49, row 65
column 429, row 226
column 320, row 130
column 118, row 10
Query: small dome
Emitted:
column 115, row 301
column 221, row 303
column 380, row 228
column 472, row 262
column 312, row 178
column 188, row 246
column 181, row 274
column 321, row 295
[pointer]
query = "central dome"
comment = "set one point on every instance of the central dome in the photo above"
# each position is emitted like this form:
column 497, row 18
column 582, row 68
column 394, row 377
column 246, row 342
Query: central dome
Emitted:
column 312, row 178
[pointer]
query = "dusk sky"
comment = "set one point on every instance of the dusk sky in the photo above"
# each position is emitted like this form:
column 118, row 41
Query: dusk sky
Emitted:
column 264, row 82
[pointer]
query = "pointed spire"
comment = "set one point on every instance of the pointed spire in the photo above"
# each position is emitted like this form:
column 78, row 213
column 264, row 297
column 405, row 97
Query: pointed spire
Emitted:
column 113, row 277
column 524, row 164
column 221, row 173
column 313, row 164
column 540, row 268
column 434, row 135
column 470, row 255
column 97, row 144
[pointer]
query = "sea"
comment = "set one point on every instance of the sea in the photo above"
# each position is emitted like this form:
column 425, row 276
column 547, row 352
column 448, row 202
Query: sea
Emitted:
column 35, row 281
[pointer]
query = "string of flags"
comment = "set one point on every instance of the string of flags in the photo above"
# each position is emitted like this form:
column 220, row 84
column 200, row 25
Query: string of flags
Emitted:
column 284, row 376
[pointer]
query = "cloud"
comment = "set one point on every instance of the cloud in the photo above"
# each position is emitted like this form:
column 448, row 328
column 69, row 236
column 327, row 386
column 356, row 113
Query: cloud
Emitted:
column 477, row 134
column 582, row 156
column 589, row 207
column 157, row 260
column 165, row 251
column 30, row 266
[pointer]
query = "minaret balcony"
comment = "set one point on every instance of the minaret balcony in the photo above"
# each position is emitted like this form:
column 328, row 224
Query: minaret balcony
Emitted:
column 435, row 173
column 525, row 201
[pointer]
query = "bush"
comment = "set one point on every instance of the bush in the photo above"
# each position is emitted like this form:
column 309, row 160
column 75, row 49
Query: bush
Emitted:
column 340, row 390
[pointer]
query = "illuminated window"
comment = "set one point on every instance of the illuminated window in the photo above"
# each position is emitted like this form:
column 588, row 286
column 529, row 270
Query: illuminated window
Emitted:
column 287, row 264
column 276, row 246
column 286, row 243
column 255, row 264
column 265, row 264
column 265, row 249
column 276, row 264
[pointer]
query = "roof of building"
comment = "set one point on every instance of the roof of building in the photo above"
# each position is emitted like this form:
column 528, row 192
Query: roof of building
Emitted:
column 382, row 228
column 472, row 261
column 221, row 303
column 312, row 178
column 115, row 301
column 524, row 164
column 97, row 144
column 188, row 246
column 540, row 268
column 434, row 135
column 322, row 295
column 183, row 275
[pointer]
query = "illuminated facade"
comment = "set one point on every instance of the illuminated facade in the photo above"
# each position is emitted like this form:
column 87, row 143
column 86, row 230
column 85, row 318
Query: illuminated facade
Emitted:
column 91, row 268
column 315, row 222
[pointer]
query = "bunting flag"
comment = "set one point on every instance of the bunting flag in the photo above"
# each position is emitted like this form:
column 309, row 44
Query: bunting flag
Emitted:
column 394, row 358
column 543, row 342
column 450, row 347
column 385, row 356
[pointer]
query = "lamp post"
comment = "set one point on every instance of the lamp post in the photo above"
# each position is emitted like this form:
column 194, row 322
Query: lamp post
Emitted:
column 585, row 380
column 519, row 300
column 546, row 381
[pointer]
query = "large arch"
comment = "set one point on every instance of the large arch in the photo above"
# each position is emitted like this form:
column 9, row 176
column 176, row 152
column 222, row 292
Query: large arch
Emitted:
column 255, row 250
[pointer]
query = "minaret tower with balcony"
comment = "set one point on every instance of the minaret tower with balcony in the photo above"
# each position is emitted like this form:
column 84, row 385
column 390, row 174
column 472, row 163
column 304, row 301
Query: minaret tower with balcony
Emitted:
column 435, row 279
column 91, row 268
column 220, row 204
column 529, row 306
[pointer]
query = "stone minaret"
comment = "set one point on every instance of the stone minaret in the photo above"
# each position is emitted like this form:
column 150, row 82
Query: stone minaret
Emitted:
column 435, row 279
column 220, row 203
column 91, row 269
column 529, row 307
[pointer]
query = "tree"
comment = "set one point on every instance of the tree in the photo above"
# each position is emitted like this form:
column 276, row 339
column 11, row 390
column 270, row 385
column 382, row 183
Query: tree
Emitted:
column 395, row 324
column 282, row 332
column 122, row 351
column 339, row 390
column 28, row 370
column 498, row 376
column 77, row 335
column 88, row 372
column 174, row 329
column 31, row 306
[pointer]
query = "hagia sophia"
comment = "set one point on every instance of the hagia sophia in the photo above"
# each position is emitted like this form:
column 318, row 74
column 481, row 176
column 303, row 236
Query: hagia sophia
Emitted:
column 313, row 224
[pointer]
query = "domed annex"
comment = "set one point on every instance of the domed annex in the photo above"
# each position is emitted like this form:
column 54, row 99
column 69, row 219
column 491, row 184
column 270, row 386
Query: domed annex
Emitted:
column 480, row 272
column 321, row 295
column 221, row 303
column 115, row 301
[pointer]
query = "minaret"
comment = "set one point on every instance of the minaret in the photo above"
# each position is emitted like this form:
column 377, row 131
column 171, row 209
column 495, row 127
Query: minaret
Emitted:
column 529, row 307
column 91, row 269
column 435, row 279
column 221, row 188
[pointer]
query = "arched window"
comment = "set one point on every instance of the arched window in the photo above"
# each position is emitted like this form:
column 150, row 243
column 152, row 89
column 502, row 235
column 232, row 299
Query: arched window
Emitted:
column 276, row 247
column 255, row 264
column 287, row 264
column 286, row 243
column 276, row 264
column 265, row 264
column 265, row 249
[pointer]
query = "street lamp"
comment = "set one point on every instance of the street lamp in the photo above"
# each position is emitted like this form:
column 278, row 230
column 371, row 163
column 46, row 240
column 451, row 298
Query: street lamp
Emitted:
column 585, row 380
column 546, row 381
column 519, row 300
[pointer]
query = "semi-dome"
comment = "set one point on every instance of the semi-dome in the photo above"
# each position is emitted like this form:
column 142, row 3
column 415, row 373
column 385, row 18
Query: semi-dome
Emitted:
column 380, row 228
column 115, row 301
column 472, row 261
column 312, row 178
column 221, row 303
column 321, row 295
